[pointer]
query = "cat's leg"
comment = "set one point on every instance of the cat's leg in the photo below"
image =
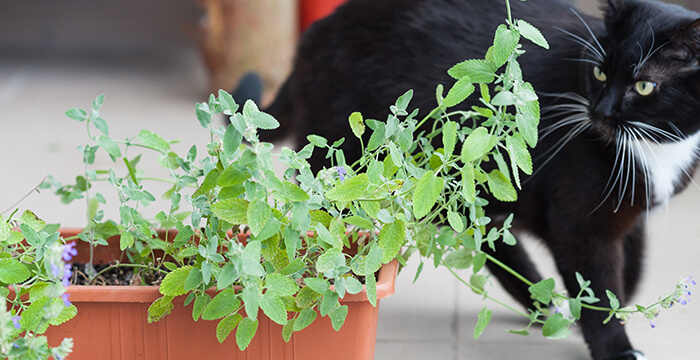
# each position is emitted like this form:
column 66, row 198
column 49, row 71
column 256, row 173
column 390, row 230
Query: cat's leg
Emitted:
column 517, row 258
column 601, row 261
column 634, row 253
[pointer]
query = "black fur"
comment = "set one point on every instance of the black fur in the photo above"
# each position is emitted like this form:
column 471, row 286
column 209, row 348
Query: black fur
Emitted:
column 369, row 52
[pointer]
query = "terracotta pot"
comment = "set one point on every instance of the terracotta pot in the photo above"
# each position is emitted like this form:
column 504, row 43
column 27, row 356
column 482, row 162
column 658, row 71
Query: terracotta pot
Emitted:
column 312, row 10
column 111, row 324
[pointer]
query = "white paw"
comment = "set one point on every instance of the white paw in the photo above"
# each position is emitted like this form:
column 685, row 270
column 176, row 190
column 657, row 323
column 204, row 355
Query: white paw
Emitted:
column 637, row 355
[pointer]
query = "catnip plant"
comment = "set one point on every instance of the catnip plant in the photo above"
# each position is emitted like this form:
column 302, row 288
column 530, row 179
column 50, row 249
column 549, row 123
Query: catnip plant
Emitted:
column 309, row 238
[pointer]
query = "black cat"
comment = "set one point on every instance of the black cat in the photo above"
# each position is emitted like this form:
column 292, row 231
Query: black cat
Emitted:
column 620, row 128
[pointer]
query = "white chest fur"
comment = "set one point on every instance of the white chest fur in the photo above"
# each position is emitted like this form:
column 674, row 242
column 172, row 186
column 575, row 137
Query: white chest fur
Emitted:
column 666, row 163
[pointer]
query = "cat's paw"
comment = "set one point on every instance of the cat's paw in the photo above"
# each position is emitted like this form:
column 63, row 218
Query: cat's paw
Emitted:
column 631, row 355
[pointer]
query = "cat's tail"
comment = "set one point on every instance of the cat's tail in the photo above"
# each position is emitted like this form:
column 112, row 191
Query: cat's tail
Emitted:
column 250, row 88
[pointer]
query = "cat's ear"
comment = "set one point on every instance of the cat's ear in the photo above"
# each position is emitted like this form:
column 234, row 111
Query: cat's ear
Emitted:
column 613, row 10
column 687, row 41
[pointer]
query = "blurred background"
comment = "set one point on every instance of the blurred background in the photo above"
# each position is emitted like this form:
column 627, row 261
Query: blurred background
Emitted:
column 154, row 59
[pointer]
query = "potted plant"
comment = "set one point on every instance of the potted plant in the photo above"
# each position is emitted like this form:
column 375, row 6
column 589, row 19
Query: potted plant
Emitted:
column 302, row 243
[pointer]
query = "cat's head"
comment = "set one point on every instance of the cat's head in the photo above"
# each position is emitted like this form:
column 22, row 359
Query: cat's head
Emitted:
column 645, row 69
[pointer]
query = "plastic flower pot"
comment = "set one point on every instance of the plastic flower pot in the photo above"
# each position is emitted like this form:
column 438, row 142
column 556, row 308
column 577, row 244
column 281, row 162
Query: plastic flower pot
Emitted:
column 312, row 10
column 112, row 324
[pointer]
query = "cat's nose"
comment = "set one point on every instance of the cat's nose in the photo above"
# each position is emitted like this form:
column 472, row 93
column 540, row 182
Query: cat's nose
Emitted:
column 606, row 107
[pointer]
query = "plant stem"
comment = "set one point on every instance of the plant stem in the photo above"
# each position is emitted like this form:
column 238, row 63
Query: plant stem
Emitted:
column 508, row 269
column 482, row 292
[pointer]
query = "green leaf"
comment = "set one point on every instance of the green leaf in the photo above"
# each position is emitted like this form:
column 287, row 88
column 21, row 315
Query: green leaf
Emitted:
column 251, row 300
column 200, row 303
column 459, row 92
column 575, row 308
column 478, row 71
column 222, row 305
column 357, row 124
column 77, row 114
column 371, row 287
column 306, row 317
column 226, row 326
column 245, row 332
column 227, row 276
column 194, row 279
column 350, row 189
column 338, row 317
column 426, row 194
column 455, row 221
column 273, row 307
column 109, row 146
column 391, row 238
column 12, row 271
column 126, row 240
column 316, row 140
column 153, row 141
column 500, row 186
column 353, row 285
column 482, row 321
column 614, row 302
column 468, row 185
column 527, row 119
column 504, row 44
column 281, row 285
column 67, row 313
column 556, row 327
column 232, row 175
column 532, row 33
column 449, row 137
column 227, row 102
column 101, row 125
column 160, row 308
column 477, row 144
column 459, row 259
column 519, row 155
column 318, row 285
column 359, row 222
column 542, row 291
column 374, row 259
column 233, row 211
column 174, row 283
column 258, row 118
column 258, row 215
column 478, row 282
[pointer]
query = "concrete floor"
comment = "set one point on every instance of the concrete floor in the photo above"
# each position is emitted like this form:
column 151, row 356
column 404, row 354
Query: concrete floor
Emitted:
column 431, row 319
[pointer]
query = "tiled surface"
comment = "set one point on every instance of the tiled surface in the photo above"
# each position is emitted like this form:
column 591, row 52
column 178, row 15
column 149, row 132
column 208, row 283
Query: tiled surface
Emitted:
column 431, row 319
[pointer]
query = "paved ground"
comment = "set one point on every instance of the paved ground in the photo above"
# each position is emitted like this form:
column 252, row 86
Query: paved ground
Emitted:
column 431, row 319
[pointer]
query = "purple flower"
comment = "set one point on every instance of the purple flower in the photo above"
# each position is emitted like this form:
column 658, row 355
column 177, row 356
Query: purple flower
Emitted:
column 69, row 251
column 651, row 322
column 15, row 321
column 65, row 299
column 341, row 172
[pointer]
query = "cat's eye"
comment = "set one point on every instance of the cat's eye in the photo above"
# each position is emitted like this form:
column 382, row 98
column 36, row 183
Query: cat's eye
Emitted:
column 599, row 74
column 644, row 88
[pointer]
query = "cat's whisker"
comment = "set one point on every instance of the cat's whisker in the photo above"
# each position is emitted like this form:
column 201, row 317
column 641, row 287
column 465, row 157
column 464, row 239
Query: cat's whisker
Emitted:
column 655, row 130
column 559, row 145
column 650, row 53
column 573, row 119
column 645, row 167
column 568, row 96
column 581, row 41
column 590, row 61
column 685, row 172
column 589, row 31
column 628, row 165
column 615, row 174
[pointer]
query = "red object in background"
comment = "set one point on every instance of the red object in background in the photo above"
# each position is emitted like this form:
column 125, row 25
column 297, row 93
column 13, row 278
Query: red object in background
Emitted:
column 312, row 10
